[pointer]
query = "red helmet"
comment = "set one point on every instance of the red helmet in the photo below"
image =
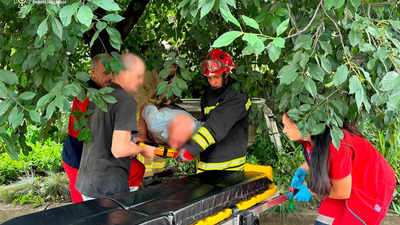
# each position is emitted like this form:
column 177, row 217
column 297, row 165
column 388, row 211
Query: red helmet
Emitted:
column 217, row 61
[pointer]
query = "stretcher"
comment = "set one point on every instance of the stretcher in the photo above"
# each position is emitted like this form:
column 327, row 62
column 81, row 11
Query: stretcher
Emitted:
column 212, row 197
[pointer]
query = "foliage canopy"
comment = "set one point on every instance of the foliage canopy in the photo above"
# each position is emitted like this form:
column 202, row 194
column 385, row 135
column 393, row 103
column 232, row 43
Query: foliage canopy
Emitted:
column 323, row 60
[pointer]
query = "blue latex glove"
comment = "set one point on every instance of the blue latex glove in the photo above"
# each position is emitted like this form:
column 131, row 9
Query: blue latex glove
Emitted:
column 304, row 195
column 298, row 178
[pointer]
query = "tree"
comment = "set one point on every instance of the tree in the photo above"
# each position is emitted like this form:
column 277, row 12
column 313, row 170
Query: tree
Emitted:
column 323, row 60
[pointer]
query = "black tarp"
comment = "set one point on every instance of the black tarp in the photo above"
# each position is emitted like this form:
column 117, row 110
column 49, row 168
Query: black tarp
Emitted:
column 181, row 201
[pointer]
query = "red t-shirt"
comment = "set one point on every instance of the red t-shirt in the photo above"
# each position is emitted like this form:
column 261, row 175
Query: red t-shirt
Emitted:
column 76, row 105
column 373, row 181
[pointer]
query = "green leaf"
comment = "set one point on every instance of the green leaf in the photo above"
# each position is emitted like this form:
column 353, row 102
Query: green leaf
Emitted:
column 24, row 10
column 27, row 95
column 43, row 100
column 318, row 129
column 183, row 3
column 383, row 53
column 339, row 4
column 355, row 37
column 297, row 86
column 279, row 42
column 164, row 73
column 85, row 15
column 185, row 74
column 251, row 22
column 288, row 78
column 115, row 37
column 115, row 18
column 231, row 3
column 360, row 96
column 303, row 41
column 4, row 105
column 83, row 76
column 110, row 99
column 390, row 81
column 108, row 5
column 341, row 106
column 100, row 27
column 50, row 109
column 355, row 3
column 106, row 90
column 168, row 92
column 206, row 8
column 15, row 117
column 326, row 64
column 282, row 27
column 354, row 84
column 328, row 4
column 8, row 77
column 336, row 135
column 394, row 100
column 316, row 72
column 66, row 13
column 162, row 87
column 56, row 27
column 226, row 39
column 395, row 24
column 62, row 103
column 227, row 15
column 251, row 39
column 35, row 116
column 294, row 114
column 181, row 83
column 305, row 107
column 181, row 62
column 287, row 69
column 367, row 47
column 42, row 29
column 309, row 84
column 340, row 75
column 326, row 46
column 274, row 52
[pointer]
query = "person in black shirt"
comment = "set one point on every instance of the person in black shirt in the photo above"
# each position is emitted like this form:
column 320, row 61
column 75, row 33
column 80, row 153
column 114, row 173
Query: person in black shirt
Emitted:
column 106, row 161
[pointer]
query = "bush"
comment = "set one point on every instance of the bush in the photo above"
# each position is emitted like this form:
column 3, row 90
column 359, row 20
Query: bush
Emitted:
column 44, row 157
column 35, row 189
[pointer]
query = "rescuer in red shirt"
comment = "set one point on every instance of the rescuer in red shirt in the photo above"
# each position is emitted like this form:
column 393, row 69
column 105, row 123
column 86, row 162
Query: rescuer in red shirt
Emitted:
column 72, row 149
column 355, row 182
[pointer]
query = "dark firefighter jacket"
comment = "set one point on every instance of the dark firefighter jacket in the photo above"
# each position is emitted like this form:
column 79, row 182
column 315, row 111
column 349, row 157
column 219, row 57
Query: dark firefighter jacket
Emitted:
column 222, row 140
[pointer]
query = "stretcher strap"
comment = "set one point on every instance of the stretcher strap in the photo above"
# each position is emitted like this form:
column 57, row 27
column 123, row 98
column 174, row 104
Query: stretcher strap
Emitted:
column 162, row 150
column 226, row 213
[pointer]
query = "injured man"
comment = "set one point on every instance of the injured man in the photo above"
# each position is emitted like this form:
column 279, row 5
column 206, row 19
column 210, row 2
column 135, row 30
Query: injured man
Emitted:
column 166, row 124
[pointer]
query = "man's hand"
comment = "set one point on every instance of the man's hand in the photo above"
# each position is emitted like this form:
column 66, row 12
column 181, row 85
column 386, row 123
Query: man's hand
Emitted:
column 147, row 151
column 183, row 155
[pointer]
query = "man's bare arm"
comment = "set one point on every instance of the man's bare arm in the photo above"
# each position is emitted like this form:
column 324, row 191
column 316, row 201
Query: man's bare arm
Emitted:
column 123, row 147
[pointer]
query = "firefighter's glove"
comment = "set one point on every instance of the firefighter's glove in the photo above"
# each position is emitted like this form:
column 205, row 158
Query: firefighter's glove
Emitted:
column 298, row 178
column 183, row 155
column 304, row 195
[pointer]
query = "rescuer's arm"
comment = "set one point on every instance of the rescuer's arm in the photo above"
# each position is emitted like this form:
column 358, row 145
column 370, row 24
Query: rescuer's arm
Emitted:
column 222, row 119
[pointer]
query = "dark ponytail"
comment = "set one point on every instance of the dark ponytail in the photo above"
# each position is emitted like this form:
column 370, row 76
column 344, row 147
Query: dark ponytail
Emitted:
column 319, row 181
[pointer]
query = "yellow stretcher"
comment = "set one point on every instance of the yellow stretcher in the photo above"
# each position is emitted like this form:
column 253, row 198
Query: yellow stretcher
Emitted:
column 248, row 209
column 247, row 212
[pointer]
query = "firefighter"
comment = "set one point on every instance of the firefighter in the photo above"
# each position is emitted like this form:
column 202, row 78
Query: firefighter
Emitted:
column 222, row 140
